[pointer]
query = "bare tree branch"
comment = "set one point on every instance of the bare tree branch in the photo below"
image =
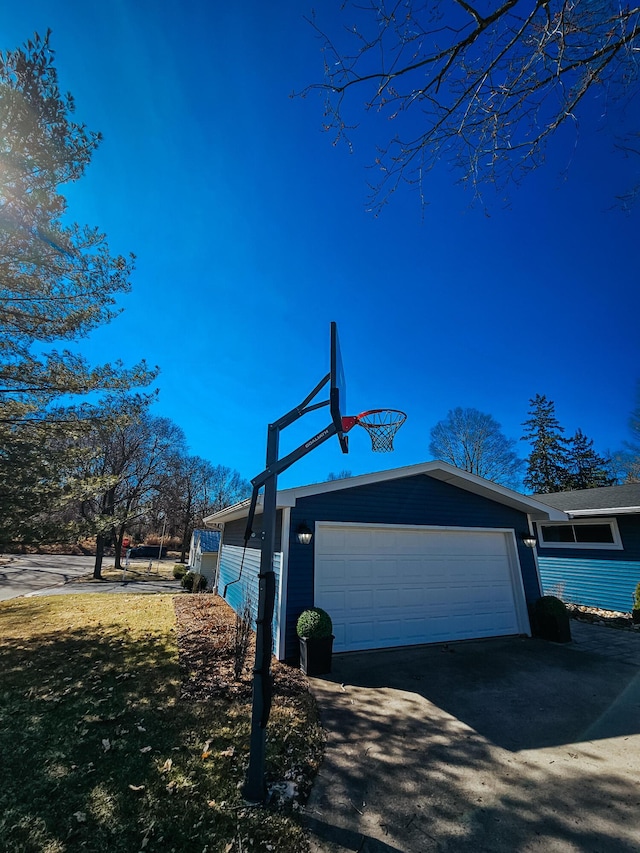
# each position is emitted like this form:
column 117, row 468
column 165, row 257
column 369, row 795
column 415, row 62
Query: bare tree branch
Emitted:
column 482, row 89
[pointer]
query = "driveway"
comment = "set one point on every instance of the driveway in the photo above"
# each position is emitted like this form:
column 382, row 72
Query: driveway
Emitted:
column 498, row 746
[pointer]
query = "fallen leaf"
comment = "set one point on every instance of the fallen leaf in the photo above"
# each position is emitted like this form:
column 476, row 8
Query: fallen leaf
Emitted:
column 146, row 749
column 228, row 753
column 137, row 787
column 229, row 847
column 106, row 744
column 166, row 766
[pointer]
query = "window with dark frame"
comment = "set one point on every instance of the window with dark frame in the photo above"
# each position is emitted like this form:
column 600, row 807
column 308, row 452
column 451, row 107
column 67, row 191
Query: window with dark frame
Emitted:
column 600, row 533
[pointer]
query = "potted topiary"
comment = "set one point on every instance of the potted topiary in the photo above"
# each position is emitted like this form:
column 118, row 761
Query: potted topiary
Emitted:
column 551, row 619
column 635, row 613
column 314, row 628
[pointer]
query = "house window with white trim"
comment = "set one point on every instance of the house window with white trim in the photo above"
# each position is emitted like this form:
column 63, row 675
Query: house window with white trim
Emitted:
column 580, row 533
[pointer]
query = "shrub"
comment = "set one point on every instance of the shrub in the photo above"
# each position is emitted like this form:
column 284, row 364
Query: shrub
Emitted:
column 314, row 623
column 549, row 605
column 179, row 571
column 636, row 598
column 189, row 579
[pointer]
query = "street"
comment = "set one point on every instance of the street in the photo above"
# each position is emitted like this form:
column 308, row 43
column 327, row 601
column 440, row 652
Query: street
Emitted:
column 21, row 574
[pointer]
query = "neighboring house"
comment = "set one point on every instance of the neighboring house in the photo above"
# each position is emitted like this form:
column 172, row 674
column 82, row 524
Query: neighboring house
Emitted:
column 422, row 554
column 203, row 554
column 594, row 557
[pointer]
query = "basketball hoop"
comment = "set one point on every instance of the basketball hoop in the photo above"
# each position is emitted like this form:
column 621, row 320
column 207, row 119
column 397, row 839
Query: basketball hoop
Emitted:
column 382, row 425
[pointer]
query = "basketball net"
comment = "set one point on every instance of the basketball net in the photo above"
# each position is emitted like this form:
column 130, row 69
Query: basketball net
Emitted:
column 382, row 425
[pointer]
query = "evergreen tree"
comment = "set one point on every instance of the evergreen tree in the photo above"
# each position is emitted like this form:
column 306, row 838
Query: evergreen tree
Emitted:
column 58, row 281
column 586, row 469
column 547, row 464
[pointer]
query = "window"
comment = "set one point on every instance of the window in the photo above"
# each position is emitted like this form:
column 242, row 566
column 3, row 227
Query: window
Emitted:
column 602, row 533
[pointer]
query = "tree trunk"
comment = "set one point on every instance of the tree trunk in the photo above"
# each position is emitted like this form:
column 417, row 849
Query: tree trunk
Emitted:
column 186, row 539
column 118, row 537
column 97, row 567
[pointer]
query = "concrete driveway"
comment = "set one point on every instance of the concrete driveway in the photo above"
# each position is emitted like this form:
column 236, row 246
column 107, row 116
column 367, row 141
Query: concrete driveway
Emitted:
column 503, row 746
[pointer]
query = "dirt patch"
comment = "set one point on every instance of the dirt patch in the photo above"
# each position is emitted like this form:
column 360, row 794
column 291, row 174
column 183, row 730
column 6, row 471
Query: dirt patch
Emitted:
column 206, row 643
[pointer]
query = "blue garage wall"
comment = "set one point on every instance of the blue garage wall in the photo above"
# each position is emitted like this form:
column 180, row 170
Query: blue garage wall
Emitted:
column 411, row 500
column 597, row 578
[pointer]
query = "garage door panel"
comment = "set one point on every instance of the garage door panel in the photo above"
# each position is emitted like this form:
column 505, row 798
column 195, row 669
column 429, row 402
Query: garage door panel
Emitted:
column 385, row 587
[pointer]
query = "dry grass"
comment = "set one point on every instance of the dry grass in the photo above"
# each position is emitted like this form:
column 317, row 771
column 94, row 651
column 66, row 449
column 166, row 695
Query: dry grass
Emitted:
column 138, row 571
column 104, row 751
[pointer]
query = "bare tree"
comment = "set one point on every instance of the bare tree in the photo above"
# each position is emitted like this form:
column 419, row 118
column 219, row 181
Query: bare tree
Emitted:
column 473, row 441
column 479, row 85
column 627, row 460
column 340, row 475
column 198, row 488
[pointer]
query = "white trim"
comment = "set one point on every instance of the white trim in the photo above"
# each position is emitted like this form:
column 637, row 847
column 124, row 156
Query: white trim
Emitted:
column 616, row 545
column 284, row 575
column 519, row 597
column 534, row 533
column 438, row 470
column 616, row 510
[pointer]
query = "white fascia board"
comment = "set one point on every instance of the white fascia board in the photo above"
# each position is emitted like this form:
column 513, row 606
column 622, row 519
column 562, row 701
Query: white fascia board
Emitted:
column 616, row 510
column 479, row 486
column 439, row 470
column 230, row 513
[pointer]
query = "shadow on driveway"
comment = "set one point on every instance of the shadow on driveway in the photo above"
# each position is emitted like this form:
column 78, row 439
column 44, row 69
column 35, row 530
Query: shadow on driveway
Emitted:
column 517, row 693
column 498, row 746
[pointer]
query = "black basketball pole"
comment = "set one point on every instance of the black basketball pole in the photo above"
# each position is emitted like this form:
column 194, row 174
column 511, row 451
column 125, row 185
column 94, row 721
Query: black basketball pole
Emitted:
column 254, row 789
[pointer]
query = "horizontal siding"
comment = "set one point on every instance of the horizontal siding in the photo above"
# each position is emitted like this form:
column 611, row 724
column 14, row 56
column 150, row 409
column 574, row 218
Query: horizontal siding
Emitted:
column 230, row 564
column 592, row 581
column 234, row 532
column 410, row 500
column 629, row 527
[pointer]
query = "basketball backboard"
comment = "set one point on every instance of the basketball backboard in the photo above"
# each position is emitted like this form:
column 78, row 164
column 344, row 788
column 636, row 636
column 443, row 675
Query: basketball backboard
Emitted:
column 337, row 394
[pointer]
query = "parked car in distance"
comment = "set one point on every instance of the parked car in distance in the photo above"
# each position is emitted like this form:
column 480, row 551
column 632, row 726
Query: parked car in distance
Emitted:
column 148, row 551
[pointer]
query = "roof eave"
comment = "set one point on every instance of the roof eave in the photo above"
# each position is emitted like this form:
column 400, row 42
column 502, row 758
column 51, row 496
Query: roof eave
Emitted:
column 537, row 510
column 615, row 510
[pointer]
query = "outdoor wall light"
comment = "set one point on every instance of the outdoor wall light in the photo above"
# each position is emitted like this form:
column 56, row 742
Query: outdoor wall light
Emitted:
column 304, row 534
column 528, row 539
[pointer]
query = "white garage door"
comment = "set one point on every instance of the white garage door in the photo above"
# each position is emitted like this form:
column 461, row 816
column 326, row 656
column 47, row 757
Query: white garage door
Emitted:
column 398, row 586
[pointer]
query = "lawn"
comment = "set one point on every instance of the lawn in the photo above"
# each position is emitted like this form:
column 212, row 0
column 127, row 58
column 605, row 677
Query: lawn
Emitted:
column 138, row 571
column 112, row 741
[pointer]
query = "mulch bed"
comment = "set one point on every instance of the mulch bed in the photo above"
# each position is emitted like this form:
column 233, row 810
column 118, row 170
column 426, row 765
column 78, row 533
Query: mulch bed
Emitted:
column 206, row 628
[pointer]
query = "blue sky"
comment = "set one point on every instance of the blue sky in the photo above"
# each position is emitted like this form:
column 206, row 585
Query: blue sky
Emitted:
column 251, row 234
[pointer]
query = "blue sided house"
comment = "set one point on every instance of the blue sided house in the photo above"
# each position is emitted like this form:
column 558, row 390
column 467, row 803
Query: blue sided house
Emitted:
column 203, row 554
column 593, row 558
column 421, row 554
